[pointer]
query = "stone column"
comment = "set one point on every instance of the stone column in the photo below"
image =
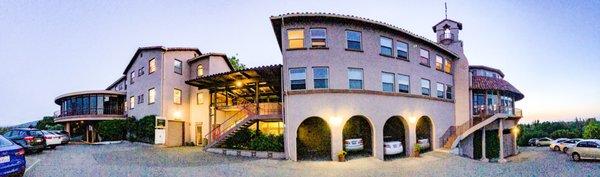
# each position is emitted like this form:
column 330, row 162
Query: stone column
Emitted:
column 483, row 158
column 501, row 137
column 68, row 128
column 515, row 142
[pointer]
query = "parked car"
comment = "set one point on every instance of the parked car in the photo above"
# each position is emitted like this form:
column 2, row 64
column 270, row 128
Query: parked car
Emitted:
column 392, row 147
column 424, row 143
column 29, row 138
column 65, row 138
column 532, row 141
column 586, row 149
column 554, row 143
column 565, row 145
column 52, row 140
column 354, row 144
column 543, row 142
column 12, row 158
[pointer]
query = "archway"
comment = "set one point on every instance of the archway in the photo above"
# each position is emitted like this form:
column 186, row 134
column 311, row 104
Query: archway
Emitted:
column 358, row 137
column 424, row 133
column 395, row 131
column 313, row 141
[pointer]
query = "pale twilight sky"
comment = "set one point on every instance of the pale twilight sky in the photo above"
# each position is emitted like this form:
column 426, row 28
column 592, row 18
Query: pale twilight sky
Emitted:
column 550, row 50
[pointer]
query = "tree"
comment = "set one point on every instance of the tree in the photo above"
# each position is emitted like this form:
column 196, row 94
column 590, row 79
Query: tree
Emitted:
column 592, row 130
column 235, row 62
column 563, row 134
column 46, row 122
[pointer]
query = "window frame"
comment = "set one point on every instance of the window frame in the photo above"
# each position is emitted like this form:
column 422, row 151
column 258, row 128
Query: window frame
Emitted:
column 442, row 62
column 381, row 46
column 198, row 69
column 132, row 77
column 175, row 61
column 324, row 38
column 151, row 97
column 315, row 77
column 152, row 65
column 362, row 79
column 131, row 102
column 180, row 100
column 397, row 80
column 421, row 58
column 290, row 74
column 407, row 49
column 428, row 87
column 449, row 71
column 347, row 40
column 449, row 94
column 289, row 40
column 437, row 89
column 393, row 81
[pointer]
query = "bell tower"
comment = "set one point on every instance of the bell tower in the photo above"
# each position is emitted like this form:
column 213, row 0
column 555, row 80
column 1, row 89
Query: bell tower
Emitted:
column 447, row 33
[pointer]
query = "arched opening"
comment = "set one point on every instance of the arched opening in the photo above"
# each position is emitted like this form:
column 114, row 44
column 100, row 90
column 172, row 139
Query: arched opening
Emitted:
column 395, row 138
column 425, row 133
column 313, row 141
column 357, row 136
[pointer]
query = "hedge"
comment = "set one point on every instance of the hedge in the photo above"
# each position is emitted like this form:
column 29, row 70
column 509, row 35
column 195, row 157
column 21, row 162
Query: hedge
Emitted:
column 111, row 130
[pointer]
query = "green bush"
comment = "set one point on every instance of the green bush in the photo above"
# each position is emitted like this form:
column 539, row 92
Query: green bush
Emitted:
column 143, row 129
column 264, row 142
column 563, row 134
column 111, row 130
column 240, row 139
column 592, row 131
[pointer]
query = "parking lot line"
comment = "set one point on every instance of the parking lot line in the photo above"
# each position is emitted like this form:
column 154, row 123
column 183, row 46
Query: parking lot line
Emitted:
column 27, row 169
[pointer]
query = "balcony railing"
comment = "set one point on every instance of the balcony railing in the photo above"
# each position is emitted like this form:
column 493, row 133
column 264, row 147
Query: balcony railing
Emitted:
column 92, row 111
column 489, row 110
column 446, row 36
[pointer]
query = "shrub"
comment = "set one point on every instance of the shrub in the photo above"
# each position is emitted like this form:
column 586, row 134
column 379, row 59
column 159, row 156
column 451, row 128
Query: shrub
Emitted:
column 111, row 130
column 563, row 134
column 240, row 139
column 592, row 130
column 143, row 129
column 264, row 142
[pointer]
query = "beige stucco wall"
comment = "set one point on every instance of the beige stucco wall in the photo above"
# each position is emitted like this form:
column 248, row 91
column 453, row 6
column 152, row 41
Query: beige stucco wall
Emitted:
column 143, row 83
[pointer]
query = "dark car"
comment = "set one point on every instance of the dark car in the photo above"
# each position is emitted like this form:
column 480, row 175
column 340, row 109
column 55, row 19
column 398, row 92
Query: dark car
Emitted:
column 29, row 138
column 12, row 158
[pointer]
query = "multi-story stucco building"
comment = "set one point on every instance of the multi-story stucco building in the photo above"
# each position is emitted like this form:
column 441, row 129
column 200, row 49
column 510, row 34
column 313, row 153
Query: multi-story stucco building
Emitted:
column 341, row 77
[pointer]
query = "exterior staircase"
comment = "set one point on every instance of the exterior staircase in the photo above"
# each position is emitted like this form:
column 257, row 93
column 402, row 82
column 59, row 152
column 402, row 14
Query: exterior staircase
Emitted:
column 245, row 117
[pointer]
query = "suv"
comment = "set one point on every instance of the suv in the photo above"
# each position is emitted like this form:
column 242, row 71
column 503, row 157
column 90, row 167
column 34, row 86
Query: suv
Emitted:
column 586, row 149
column 31, row 139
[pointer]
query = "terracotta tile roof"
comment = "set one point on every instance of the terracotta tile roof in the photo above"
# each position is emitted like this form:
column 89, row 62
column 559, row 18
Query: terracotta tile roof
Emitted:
column 275, row 22
column 490, row 83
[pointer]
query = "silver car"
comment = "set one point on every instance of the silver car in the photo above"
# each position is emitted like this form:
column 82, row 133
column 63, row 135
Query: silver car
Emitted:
column 586, row 149
column 543, row 142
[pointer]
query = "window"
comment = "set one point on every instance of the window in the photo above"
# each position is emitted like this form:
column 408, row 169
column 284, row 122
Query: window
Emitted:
column 353, row 39
column 424, row 57
column 131, row 77
column 141, row 99
column 402, row 50
column 321, row 77
column 439, row 63
column 141, row 71
column 447, row 34
column 425, row 87
column 199, row 98
column 296, row 38
column 131, row 102
column 478, row 103
column 200, row 70
column 176, row 96
column 448, row 92
column 403, row 83
column 386, row 46
column 151, row 96
column 298, row 78
column 178, row 66
column 355, row 77
column 151, row 66
column 448, row 66
column 441, row 90
column 387, row 82
column 318, row 37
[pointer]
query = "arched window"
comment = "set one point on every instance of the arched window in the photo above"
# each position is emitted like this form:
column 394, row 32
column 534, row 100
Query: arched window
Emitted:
column 200, row 70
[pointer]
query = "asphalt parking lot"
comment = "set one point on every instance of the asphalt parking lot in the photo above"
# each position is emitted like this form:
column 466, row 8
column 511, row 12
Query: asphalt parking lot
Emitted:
column 127, row 159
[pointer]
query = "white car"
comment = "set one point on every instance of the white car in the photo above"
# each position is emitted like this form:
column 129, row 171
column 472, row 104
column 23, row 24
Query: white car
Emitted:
column 543, row 142
column 585, row 149
column 554, row 144
column 52, row 140
column 354, row 144
column 565, row 145
column 392, row 147
column 424, row 143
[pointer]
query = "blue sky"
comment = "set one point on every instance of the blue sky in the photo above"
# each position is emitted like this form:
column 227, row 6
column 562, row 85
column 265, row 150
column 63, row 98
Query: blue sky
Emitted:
column 550, row 50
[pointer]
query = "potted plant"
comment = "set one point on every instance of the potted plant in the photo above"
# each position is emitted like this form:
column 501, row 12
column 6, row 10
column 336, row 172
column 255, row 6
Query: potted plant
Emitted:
column 341, row 156
column 417, row 150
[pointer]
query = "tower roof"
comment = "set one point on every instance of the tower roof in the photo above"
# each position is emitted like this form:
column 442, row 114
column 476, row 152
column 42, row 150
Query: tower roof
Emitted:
column 457, row 23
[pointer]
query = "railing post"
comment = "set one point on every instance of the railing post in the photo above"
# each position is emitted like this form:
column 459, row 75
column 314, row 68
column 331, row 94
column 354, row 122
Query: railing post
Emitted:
column 256, row 98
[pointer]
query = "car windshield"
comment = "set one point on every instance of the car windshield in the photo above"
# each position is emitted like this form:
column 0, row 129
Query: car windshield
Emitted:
column 35, row 133
column 4, row 142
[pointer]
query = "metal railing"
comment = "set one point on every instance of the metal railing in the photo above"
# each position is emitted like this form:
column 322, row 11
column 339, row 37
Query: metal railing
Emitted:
column 490, row 110
column 91, row 111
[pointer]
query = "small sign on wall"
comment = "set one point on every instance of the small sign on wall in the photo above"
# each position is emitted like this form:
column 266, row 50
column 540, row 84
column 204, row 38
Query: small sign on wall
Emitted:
column 160, row 122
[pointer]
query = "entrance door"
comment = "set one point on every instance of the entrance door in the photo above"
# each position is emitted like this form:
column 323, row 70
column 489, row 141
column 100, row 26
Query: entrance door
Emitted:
column 174, row 133
column 199, row 134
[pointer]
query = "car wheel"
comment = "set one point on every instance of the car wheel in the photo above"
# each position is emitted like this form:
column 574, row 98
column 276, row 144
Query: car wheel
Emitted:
column 52, row 147
column 565, row 150
column 538, row 145
column 556, row 148
column 576, row 157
